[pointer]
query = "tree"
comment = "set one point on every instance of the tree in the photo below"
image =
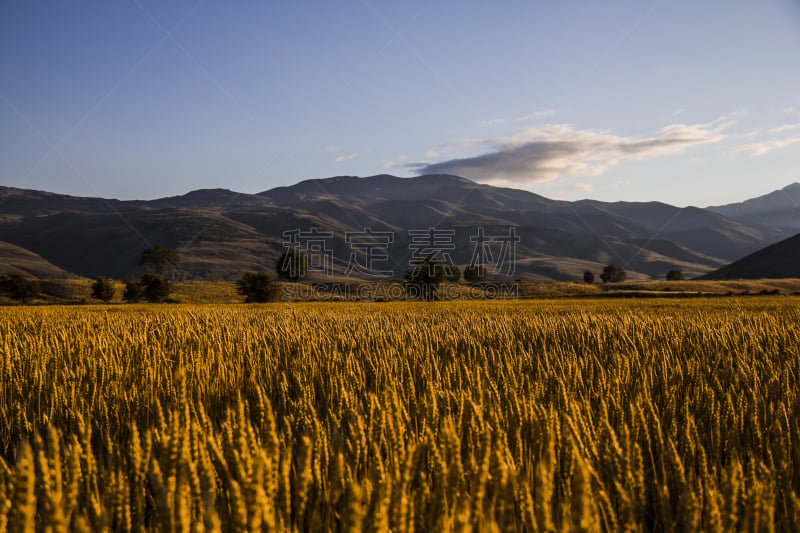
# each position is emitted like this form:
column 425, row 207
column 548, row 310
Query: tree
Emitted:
column 292, row 265
column 257, row 287
column 613, row 274
column 588, row 277
column 154, row 285
column 675, row 275
column 133, row 291
column 103, row 289
column 155, row 288
column 475, row 273
column 452, row 273
column 427, row 277
column 159, row 260
column 19, row 287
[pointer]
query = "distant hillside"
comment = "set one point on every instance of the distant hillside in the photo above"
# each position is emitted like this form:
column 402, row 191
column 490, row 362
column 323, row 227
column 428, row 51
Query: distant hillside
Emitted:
column 19, row 260
column 702, row 230
column 26, row 202
column 780, row 260
column 780, row 208
column 220, row 233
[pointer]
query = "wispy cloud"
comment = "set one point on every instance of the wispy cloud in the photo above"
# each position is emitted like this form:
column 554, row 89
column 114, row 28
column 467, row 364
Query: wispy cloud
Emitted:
column 784, row 127
column 583, row 187
column 464, row 143
column 342, row 158
column 764, row 147
column 547, row 152
column 537, row 115
column 399, row 162
column 331, row 149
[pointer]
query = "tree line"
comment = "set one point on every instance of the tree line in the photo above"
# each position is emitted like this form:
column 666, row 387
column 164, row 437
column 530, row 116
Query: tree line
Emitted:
column 154, row 286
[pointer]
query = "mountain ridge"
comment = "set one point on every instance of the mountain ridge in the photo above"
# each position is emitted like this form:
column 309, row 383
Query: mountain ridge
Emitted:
column 222, row 233
column 781, row 207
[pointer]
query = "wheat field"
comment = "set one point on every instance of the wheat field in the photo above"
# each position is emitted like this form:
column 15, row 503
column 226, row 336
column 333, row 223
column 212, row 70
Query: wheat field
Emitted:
column 576, row 415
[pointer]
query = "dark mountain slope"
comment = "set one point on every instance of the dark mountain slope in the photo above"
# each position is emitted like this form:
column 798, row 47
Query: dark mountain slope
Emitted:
column 780, row 260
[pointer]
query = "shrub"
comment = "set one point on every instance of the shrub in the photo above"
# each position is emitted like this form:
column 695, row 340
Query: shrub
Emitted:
column 133, row 291
column 257, row 287
column 424, row 279
column 103, row 289
column 588, row 277
column 475, row 273
column 675, row 275
column 613, row 274
column 452, row 273
column 19, row 287
column 155, row 288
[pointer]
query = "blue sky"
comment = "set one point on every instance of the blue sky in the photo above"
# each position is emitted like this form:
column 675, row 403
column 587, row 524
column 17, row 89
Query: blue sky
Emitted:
column 691, row 103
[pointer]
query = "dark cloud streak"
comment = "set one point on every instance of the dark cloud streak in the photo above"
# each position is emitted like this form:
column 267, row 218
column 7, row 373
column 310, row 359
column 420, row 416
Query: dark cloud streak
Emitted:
column 541, row 154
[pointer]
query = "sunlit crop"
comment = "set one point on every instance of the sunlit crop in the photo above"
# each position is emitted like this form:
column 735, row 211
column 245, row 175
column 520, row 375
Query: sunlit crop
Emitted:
column 571, row 416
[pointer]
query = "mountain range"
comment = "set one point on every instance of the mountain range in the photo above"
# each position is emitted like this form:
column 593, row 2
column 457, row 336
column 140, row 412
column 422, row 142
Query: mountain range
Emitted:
column 220, row 233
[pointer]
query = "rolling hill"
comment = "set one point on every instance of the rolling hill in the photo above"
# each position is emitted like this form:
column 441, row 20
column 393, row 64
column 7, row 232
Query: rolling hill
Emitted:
column 19, row 260
column 221, row 233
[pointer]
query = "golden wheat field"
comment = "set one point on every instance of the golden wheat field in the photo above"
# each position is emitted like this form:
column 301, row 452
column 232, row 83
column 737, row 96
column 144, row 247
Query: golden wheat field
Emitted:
column 576, row 415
